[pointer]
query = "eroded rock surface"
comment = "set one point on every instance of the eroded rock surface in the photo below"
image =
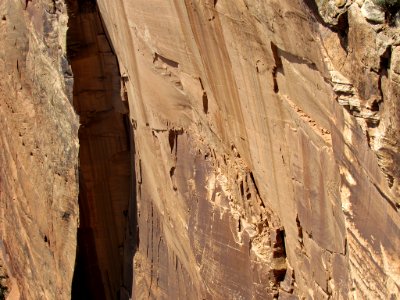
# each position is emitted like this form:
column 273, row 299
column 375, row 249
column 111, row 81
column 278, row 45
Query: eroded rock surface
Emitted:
column 105, row 164
column 266, row 148
column 38, row 150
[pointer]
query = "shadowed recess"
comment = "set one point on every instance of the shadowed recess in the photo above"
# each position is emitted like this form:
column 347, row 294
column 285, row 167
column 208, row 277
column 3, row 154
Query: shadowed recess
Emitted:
column 107, row 227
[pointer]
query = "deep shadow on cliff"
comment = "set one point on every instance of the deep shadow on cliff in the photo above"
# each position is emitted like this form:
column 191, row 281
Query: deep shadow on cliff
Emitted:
column 258, row 153
column 107, row 228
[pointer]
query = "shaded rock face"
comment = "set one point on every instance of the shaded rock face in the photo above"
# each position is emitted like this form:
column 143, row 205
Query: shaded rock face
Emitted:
column 105, row 247
column 259, row 141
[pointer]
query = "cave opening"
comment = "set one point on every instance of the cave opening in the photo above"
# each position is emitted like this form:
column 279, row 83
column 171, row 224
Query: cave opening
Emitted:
column 107, row 228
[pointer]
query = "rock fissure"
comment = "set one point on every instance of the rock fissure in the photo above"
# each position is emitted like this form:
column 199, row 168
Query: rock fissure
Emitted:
column 106, row 232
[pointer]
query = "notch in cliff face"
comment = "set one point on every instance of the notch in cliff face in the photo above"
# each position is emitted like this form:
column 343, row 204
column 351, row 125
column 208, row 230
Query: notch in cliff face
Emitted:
column 107, row 228
column 278, row 66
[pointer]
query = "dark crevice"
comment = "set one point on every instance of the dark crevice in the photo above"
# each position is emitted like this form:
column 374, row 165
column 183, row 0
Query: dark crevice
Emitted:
column 205, row 103
column 375, row 106
column 173, row 139
column 299, row 232
column 171, row 172
column 385, row 61
column 343, row 30
column 279, row 245
column 165, row 60
column 201, row 84
column 254, row 183
column 4, row 280
column 279, row 254
column 26, row 3
column 278, row 66
column 390, row 8
column 107, row 233
column 279, row 274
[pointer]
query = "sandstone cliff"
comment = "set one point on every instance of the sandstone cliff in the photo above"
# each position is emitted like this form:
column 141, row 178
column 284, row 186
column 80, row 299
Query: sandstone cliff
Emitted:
column 38, row 150
column 243, row 149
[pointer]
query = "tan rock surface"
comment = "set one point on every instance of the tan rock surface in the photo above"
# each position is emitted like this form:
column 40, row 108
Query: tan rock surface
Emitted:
column 38, row 150
column 256, row 122
column 263, row 141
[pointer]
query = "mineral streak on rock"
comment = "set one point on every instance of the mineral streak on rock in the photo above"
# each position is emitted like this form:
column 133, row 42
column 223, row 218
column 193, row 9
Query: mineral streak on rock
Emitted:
column 264, row 141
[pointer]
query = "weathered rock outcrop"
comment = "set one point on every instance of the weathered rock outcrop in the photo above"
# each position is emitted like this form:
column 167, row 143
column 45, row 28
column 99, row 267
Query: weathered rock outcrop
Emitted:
column 263, row 141
column 38, row 150
column 267, row 147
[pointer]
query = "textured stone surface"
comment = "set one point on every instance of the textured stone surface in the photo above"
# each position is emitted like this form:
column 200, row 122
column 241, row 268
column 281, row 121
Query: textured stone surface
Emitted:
column 105, row 169
column 266, row 149
column 258, row 122
column 4, row 281
column 38, row 151
column 372, row 12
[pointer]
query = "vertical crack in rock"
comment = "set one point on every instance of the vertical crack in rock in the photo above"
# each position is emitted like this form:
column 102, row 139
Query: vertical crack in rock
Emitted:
column 343, row 30
column 278, row 66
column 107, row 228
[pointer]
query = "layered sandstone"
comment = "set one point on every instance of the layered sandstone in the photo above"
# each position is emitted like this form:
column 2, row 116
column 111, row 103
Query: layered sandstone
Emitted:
column 256, row 144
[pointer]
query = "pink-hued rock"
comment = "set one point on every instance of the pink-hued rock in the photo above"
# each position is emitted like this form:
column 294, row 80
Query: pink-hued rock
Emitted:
column 255, row 144
column 38, row 151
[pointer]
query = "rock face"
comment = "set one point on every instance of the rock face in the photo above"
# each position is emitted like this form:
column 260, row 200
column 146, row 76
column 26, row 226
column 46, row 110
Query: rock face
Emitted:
column 372, row 12
column 38, row 151
column 255, row 144
column 105, row 168
column 267, row 148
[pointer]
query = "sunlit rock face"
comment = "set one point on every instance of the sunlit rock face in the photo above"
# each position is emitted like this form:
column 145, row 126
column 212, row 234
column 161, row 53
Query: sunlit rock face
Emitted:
column 266, row 138
column 38, row 151
column 257, row 142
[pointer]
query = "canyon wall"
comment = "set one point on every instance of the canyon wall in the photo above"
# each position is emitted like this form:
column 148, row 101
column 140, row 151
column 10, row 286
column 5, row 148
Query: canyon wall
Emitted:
column 38, row 151
column 105, row 169
column 249, row 149
column 266, row 140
